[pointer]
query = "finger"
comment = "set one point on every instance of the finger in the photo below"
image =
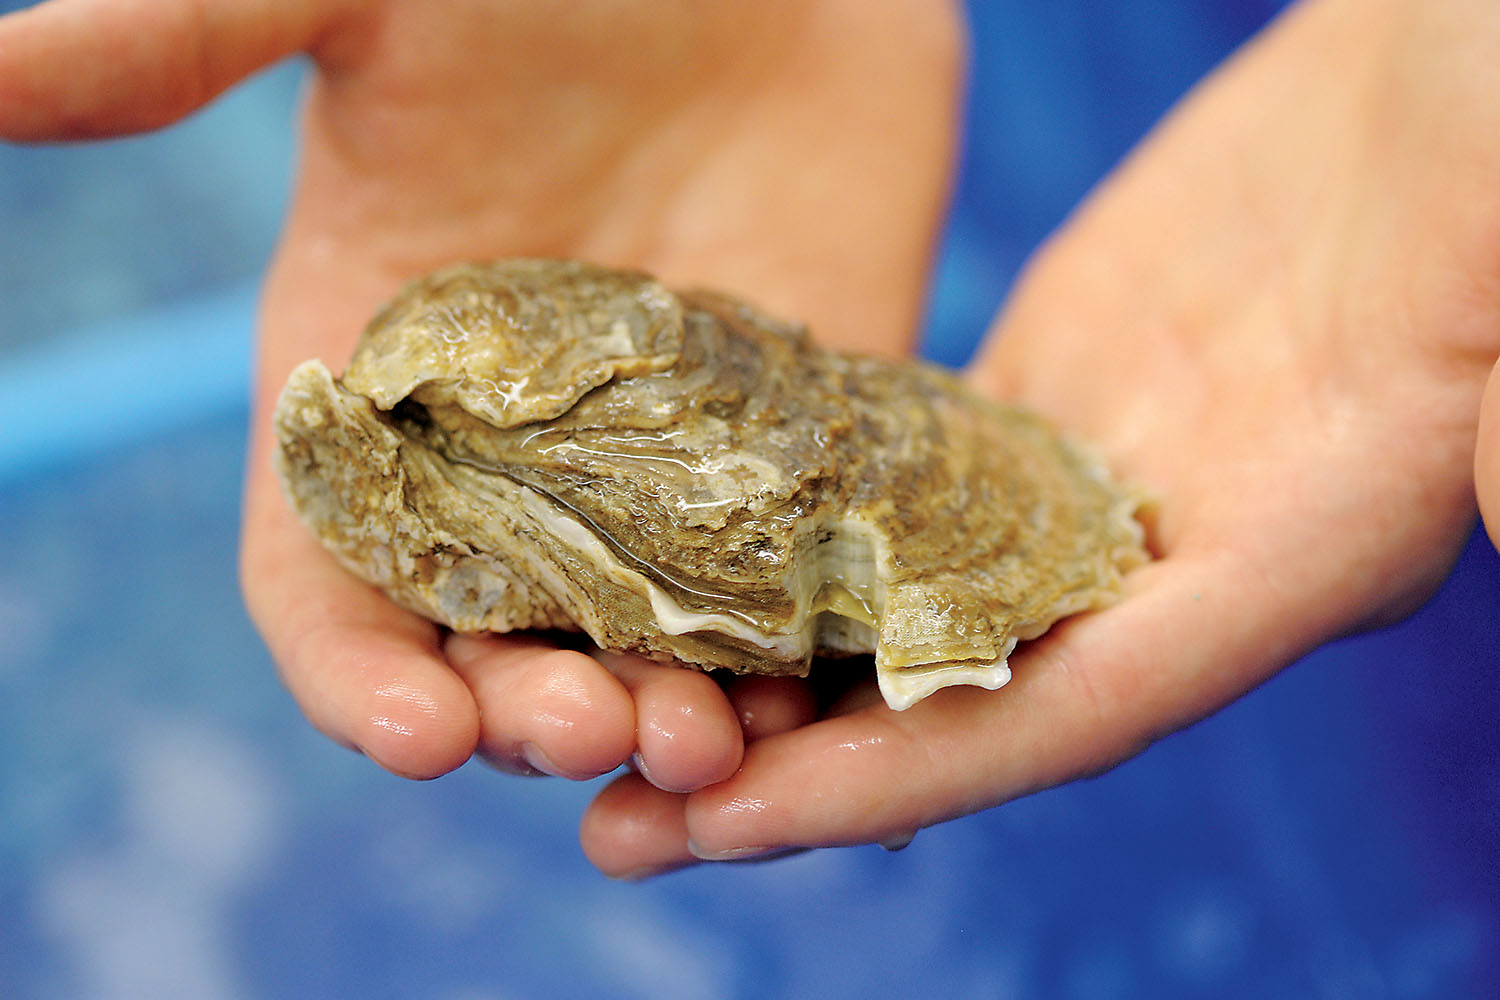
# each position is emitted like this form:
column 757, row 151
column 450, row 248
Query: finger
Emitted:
column 557, row 711
column 633, row 829
column 766, row 706
column 72, row 69
column 1088, row 696
column 687, row 735
column 366, row 673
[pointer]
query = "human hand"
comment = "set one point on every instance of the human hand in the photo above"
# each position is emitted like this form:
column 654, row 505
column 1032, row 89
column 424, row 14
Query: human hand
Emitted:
column 1278, row 316
column 797, row 151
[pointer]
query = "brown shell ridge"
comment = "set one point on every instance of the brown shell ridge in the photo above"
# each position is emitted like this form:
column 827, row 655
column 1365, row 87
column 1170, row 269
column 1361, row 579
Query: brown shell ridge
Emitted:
column 523, row 444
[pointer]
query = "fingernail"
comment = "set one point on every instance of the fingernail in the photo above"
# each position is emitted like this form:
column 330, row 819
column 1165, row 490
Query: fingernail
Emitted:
column 537, row 758
column 649, row 871
column 511, row 765
column 730, row 853
column 898, row 842
column 639, row 763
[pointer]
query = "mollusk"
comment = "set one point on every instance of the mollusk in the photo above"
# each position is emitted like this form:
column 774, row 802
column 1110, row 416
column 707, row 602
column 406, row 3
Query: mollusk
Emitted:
column 551, row 444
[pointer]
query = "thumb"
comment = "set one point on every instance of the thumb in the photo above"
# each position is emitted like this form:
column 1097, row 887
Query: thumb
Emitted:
column 79, row 69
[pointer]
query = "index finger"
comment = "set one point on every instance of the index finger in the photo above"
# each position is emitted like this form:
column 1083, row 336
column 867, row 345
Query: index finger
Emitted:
column 72, row 69
column 1087, row 696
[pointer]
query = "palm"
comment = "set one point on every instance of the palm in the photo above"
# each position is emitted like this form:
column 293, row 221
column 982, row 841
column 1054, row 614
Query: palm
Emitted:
column 1289, row 354
column 711, row 145
column 1278, row 317
column 560, row 145
column 684, row 144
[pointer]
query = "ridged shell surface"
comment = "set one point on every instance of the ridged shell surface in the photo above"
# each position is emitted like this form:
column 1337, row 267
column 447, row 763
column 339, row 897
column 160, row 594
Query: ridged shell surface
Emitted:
column 551, row 444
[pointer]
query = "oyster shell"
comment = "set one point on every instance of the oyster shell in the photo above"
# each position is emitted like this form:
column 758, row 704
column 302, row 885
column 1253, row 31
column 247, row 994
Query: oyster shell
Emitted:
column 551, row 444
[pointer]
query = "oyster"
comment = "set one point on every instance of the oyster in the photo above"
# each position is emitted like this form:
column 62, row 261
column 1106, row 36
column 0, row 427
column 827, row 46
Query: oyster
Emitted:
column 551, row 444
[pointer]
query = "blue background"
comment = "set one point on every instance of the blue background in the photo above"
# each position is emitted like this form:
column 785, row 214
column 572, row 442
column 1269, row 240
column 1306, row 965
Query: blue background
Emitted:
column 169, row 826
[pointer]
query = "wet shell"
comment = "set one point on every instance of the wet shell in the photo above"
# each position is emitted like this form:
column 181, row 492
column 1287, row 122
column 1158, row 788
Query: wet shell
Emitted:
column 551, row 444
